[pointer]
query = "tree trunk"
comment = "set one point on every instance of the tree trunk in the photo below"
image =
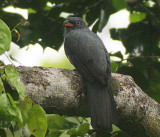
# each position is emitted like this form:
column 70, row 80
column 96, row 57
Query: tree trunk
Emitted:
column 63, row 92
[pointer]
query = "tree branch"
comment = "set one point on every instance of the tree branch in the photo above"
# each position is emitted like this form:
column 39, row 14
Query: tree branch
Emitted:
column 63, row 92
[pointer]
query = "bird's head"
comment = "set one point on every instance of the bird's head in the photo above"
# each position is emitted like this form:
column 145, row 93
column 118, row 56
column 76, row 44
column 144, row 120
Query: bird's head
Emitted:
column 74, row 23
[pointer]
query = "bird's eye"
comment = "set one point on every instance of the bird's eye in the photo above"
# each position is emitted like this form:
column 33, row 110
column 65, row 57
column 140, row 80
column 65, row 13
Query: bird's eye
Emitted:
column 78, row 23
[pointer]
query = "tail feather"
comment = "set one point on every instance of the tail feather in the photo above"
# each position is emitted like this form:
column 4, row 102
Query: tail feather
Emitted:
column 102, row 106
column 114, row 116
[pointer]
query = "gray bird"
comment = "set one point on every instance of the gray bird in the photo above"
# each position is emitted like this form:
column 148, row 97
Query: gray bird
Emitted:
column 87, row 53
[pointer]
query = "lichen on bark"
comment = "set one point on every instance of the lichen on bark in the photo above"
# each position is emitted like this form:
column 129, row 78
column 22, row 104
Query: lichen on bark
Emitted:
column 63, row 92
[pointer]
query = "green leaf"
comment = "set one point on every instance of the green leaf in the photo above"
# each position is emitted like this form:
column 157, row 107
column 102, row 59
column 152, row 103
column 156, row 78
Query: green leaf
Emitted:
column 80, row 131
column 9, row 88
column 114, row 66
column 114, row 34
column 119, row 4
column 92, row 15
column 12, row 102
column 11, row 111
column 2, row 133
column 36, row 4
column 1, row 87
column 25, row 108
column 72, row 120
column 51, row 36
column 56, row 122
column 83, row 129
column 54, row 134
column 118, row 54
column 5, row 37
column 104, row 15
column 18, row 118
column 11, row 72
column 2, row 72
column 7, row 110
column 37, row 123
column 138, row 35
column 23, row 113
column 72, row 131
column 136, row 16
column 95, row 27
column 119, row 134
column 12, row 76
column 155, row 86
column 20, row 88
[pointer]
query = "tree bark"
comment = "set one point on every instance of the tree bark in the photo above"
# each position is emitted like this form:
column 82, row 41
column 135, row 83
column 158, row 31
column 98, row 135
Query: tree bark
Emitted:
column 62, row 91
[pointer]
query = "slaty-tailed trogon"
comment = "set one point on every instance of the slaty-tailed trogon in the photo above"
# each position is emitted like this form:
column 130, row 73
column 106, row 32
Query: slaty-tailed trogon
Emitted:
column 89, row 56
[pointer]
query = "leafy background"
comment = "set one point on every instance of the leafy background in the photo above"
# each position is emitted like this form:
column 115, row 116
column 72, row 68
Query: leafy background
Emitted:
column 43, row 26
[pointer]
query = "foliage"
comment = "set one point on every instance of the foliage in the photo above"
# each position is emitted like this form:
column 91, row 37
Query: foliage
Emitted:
column 142, row 42
column 16, row 111
column 44, row 26
column 5, row 37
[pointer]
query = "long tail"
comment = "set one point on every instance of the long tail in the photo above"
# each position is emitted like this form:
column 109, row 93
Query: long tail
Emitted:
column 102, row 106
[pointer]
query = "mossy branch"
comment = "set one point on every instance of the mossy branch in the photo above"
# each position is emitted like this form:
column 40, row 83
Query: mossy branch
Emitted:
column 63, row 92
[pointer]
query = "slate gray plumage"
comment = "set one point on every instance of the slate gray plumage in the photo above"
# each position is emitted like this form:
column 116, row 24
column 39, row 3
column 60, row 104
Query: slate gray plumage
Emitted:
column 87, row 53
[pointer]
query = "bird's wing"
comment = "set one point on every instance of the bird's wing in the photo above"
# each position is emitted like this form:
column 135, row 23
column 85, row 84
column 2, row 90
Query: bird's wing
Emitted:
column 88, row 54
